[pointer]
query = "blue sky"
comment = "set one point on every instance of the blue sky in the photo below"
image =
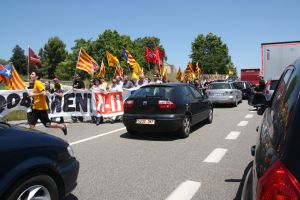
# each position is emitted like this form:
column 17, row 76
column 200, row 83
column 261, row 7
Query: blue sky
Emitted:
column 242, row 25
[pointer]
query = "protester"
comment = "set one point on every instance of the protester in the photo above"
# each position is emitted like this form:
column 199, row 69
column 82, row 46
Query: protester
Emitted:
column 92, row 83
column 156, row 79
column 141, row 81
column 127, row 84
column 119, row 81
column 114, row 86
column 40, row 106
column 78, row 84
column 47, row 87
column 96, row 88
column 103, row 84
column 58, row 93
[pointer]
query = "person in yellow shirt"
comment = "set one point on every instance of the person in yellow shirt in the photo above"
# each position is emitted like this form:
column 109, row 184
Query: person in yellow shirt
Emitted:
column 40, row 106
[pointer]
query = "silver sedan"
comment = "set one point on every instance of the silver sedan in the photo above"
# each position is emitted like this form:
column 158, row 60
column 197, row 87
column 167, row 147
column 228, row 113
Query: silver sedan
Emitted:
column 224, row 93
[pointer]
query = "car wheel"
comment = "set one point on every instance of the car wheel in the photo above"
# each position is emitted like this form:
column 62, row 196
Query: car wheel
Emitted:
column 185, row 127
column 37, row 187
column 210, row 116
column 131, row 132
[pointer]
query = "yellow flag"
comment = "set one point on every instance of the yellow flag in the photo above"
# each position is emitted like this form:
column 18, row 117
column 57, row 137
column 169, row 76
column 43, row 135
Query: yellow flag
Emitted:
column 112, row 60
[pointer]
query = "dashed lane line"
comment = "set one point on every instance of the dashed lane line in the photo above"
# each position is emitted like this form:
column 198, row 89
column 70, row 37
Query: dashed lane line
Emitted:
column 243, row 123
column 233, row 135
column 215, row 156
column 249, row 116
column 185, row 191
column 96, row 136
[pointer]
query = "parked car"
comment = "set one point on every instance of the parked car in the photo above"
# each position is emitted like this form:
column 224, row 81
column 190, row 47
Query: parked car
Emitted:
column 35, row 165
column 275, row 172
column 224, row 93
column 166, row 108
column 244, row 87
column 270, row 87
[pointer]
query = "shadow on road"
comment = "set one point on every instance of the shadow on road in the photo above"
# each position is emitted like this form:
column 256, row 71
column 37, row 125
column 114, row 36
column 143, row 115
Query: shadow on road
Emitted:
column 163, row 136
column 238, row 195
column 71, row 197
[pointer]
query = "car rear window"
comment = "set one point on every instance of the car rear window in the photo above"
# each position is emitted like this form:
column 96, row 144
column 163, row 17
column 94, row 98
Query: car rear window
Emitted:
column 219, row 86
column 240, row 85
column 153, row 91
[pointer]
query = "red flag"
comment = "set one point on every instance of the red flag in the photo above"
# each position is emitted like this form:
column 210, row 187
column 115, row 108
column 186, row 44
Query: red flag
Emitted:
column 150, row 55
column 159, row 56
column 33, row 58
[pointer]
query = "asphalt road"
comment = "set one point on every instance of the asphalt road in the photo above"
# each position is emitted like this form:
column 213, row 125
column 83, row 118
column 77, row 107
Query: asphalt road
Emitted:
column 209, row 164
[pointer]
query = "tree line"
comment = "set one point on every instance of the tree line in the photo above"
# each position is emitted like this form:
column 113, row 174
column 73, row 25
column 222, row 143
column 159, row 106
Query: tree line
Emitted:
column 208, row 50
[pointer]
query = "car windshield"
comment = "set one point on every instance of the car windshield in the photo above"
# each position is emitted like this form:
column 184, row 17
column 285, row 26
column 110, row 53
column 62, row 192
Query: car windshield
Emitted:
column 153, row 91
column 219, row 86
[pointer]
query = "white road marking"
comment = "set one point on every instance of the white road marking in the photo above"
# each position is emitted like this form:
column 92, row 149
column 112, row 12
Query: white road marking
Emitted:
column 96, row 136
column 233, row 135
column 185, row 191
column 253, row 111
column 243, row 123
column 249, row 116
column 215, row 156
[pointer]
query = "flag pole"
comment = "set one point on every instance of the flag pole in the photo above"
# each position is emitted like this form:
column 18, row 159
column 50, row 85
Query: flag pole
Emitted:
column 28, row 67
column 76, row 67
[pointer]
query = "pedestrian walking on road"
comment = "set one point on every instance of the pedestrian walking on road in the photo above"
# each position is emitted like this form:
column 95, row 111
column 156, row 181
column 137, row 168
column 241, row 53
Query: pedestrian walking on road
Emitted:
column 40, row 106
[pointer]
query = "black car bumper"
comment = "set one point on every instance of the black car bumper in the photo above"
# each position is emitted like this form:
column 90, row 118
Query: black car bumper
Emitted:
column 69, row 175
column 165, row 123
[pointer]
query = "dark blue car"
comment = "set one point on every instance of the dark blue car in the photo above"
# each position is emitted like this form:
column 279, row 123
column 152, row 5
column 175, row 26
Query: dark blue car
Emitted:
column 35, row 165
column 275, row 170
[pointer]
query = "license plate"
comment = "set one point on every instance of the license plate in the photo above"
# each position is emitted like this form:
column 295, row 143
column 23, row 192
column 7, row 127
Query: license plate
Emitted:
column 145, row 121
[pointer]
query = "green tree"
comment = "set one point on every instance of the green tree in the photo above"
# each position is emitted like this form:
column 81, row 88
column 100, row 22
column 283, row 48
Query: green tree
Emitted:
column 211, row 54
column 51, row 55
column 19, row 60
column 3, row 62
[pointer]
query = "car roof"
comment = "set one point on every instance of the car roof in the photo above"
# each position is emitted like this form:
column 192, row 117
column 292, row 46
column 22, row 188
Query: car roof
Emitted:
column 167, row 84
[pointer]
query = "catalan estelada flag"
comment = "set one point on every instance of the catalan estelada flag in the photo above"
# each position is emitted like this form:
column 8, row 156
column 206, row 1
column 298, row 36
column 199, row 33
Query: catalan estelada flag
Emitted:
column 136, row 68
column 86, row 62
column 15, row 82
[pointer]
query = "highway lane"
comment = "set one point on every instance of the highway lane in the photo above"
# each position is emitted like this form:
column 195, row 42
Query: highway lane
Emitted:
column 207, row 165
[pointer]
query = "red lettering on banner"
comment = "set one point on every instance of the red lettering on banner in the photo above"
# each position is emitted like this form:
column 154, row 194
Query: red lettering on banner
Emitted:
column 109, row 103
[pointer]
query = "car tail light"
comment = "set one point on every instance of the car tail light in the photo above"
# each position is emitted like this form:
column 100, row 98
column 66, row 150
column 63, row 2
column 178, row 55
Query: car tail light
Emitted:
column 128, row 104
column 278, row 184
column 166, row 104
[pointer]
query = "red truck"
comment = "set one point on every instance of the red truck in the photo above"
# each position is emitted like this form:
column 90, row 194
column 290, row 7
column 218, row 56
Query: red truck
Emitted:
column 251, row 75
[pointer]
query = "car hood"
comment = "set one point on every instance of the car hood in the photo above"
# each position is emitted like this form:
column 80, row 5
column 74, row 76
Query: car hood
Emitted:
column 17, row 137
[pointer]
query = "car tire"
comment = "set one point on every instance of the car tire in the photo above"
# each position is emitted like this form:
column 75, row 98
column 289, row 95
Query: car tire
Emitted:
column 210, row 116
column 131, row 132
column 185, row 129
column 42, row 186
